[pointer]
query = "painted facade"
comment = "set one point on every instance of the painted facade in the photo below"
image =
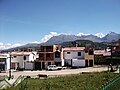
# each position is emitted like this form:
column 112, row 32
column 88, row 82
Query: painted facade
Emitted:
column 48, row 55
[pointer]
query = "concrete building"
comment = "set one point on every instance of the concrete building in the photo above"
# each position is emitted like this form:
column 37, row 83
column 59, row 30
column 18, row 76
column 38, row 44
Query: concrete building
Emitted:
column 23, row 60
column 48, row 55
column 77, row 55
column 4, row 61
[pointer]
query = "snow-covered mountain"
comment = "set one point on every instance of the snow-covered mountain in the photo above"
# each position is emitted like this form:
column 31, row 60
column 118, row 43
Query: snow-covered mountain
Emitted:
column 99, row 37
column 112, row 36
column 60, row 38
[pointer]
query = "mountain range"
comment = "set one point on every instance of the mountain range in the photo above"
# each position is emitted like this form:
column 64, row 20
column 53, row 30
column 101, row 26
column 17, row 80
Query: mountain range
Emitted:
column 112, row 36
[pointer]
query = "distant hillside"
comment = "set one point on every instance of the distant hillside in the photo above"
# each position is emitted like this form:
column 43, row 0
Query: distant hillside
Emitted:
column 61, row 38
column 85, row 43
column 111, row 37
column 65, row 38
column 83, row 40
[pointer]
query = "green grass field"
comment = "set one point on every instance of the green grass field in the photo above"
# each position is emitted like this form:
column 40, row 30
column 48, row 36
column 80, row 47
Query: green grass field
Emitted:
column 73, row 82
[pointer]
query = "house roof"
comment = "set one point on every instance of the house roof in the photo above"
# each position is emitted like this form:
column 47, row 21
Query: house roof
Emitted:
column 4, row 55
column 74, row 49
column 102, row 52
column 20, row 53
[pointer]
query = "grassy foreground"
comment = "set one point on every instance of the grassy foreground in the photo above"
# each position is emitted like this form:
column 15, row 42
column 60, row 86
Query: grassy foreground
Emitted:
column 73, row 82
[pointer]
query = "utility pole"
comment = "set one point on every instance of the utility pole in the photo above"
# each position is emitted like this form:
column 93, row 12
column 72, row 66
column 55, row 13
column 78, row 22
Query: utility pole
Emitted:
column 10, row 68
column 111, row 53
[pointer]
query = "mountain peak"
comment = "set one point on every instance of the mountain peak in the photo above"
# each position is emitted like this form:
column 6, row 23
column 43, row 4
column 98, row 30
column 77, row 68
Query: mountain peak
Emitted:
column 100, row 35
column 112, row 33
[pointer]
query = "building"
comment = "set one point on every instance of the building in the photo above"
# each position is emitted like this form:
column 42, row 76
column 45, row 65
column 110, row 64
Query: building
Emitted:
column 89, row 57
column 23, row 60
column 48, row 55
column 72, row 55
column 4, row 61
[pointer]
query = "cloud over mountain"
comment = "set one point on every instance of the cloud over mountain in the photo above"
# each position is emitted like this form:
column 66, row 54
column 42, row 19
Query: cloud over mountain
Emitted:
column 82, row 34
column 8, row 45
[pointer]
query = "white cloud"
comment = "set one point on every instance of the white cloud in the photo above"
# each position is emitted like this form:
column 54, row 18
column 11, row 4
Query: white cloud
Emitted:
column 16, row 45
column 82, row 34
column 1, row 43
column 47, row 37
column 101, row 35
column 8, row 45
column 35, row 42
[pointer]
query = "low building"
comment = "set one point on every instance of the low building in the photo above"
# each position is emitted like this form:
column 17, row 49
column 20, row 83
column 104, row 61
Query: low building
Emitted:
column 102, row 53
column 101, row 57
column 23, row 60
column 89, row 57
column 72, row 55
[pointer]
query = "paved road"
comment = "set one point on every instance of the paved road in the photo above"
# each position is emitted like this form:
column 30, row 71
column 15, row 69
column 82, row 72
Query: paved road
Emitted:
column 52, row 73
column 55, row 73
column 59, row 72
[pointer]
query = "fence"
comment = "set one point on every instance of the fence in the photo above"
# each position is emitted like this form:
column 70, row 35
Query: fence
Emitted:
column 112, row 85
column 18, row 80
column 6, row 83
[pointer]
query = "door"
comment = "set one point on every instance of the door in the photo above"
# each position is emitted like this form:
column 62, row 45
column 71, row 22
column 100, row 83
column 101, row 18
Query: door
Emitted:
column 43, row 65
column 12, row 65
column 37, row 65
column 86, row 63
column 90, row 63
column 2, row 67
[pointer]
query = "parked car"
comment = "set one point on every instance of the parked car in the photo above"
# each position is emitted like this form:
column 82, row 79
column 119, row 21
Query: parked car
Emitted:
column 54, row 67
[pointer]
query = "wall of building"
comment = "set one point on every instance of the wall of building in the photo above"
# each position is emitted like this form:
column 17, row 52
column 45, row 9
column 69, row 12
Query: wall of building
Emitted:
column 73, row 55
column 19, row 60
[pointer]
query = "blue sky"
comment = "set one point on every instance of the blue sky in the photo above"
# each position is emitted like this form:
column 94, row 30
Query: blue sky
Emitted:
column 24, row 21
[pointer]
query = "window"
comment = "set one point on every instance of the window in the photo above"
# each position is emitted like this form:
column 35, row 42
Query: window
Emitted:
column 79, row 53
column 41, row 55
column 91, row 52
column 57, row 54
column 68, row 52
column 48, row 55
column 15, row 56
column 24, row 57
column 86, row 51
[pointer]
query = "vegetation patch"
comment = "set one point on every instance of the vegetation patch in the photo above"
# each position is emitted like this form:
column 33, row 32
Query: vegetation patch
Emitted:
column 91, row 81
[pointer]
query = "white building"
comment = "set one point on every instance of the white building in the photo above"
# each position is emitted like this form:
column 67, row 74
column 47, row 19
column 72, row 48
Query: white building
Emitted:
column 74, row 56
column 4, row 61
column 78, row 56
column 23, row 60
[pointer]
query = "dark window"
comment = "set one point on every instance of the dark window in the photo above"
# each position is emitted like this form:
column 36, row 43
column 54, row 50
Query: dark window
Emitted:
column 48, row 47
column 48, row 55
column 40, row 55
column 42, row 48
column 15, row 56
column 24, row 57
column 79, row 53
column 86, row 51
column 57, row 54
column 68, row 52
column 49, row 63
column 91, row 52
